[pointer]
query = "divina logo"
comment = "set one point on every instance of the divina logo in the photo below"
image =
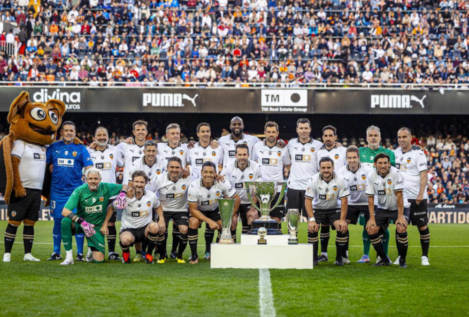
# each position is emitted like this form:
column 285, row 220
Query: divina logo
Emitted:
column 71, row 99
column 167, row 100
column 396, row 101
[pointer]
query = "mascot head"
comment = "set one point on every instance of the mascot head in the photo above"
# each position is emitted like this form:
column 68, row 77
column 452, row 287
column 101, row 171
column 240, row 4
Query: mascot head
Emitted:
column 35, row 122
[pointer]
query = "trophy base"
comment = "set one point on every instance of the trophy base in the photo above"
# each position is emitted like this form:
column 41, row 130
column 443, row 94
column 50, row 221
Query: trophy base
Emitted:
column 262, row 241
column 272, row 226
column 226, row 241
column 292, row 241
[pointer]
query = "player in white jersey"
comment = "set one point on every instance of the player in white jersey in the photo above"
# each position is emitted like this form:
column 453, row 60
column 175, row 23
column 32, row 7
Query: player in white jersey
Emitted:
column 387, row 184
column 303, row 159
column 149, row 163
column 202, row 152
column 326, row 203
column 355, row 176
column 274, row 162
column 337, row 153
column 137, row 225
column 107, row 158
column 174, row 148
column 203, row 205
column 412, row 164
column 241, row 170
column 237, row 136
column 171, row 189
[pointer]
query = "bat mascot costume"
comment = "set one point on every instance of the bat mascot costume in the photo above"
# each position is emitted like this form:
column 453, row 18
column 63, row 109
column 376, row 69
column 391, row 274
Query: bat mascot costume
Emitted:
column 33, row 125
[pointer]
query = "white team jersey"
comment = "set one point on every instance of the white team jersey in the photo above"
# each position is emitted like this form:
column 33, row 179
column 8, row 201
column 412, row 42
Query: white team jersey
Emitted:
column 411, row 164
column 237, row 177
column 157, row 168
column 130, row 153
column 337, row 154
column 139, row 212
column 303, row 160
column 172, row 195
column 271, row 160
column 356, row 183
column 229, row 147
column 107, row 161
column 207, row 198
column 165, row 152
column 385, row 187
column 198, row 155
column 32, row 167
column 326, row 195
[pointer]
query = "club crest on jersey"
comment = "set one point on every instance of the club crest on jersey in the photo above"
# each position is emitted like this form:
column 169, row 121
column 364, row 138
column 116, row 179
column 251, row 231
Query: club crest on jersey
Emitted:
column 279, row 153
column 181, row 152
column 148, row 204
column 336, row 156
column 74, row 153
column 214, row 153
column 101, row 199
column 335, row 188
column 184, row 187
column 312, row 150
column 158, row 172
column 217, row 193
column 111, row 156
column 408, row 160
column 363, row 176
column 389, row 181
column 251, row 176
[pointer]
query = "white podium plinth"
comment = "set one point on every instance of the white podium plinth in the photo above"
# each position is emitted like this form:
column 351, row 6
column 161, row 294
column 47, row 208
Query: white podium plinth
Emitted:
column 276, row 254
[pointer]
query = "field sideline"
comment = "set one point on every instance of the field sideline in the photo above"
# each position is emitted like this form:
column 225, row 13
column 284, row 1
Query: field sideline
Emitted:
column 171, row 289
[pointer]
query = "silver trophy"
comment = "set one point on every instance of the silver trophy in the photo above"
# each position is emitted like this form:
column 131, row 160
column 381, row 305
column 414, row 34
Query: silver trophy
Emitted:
column 265, row 193
column 226, row 208
column 293, row 217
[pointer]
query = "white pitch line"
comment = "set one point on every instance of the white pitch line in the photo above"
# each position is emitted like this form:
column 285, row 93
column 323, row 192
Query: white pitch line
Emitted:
column 266, row 299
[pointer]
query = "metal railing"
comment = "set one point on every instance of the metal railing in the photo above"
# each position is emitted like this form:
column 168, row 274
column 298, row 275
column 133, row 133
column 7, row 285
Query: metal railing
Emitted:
column 10, row 49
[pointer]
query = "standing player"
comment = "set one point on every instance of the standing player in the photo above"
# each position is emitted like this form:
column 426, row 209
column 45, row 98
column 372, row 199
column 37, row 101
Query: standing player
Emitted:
column 274, row 163
column 66, row 160
column 137, row 225
column 203, row 205
column 171, row 189
column 91, row 201
column 174, row 148
column 355, row 175
column 148, row 163
column 412, row 164
column 337, row 154
column 303, row 157
column 107, row 158
column 241, row 170
column 387, row 184
column 229, row 142
column 367, row 156
column 326, row 203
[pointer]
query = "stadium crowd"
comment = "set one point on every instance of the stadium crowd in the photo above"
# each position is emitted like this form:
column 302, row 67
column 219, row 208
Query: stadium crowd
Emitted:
column 236, row 42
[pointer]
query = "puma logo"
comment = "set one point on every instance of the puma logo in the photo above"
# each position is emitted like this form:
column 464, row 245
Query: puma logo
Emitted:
column 186, row 97
column 420, row 101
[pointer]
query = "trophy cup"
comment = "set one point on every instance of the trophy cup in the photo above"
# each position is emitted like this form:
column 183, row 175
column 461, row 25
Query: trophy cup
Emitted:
column 226, row 207
column 262, row 232
column 293, row 216
column 265, row 193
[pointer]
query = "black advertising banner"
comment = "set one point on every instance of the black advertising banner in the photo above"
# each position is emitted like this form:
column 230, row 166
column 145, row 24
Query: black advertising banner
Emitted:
column 448, row 213
column 245, row 100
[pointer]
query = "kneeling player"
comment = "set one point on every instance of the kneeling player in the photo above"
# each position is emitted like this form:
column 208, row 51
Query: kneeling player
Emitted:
column 137, row 225
column 203, row 205
column 91, row 201
column 355, row 175
column 388, row 185
column 330, row 207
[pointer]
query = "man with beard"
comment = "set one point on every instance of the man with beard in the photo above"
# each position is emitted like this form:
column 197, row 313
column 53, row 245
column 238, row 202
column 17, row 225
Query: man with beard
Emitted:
column 106, row 158
column 274, row 162
column 303, row 157
column 367, row 156
column 66, row 161
column 203, row 205
column 229, row 142
column 337, row 154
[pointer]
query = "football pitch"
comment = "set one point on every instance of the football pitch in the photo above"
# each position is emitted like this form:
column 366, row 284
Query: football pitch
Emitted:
column 114, row 289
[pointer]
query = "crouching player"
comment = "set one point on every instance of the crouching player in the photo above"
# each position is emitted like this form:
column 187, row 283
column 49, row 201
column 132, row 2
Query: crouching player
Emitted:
column 137, row 225
column 91, row 201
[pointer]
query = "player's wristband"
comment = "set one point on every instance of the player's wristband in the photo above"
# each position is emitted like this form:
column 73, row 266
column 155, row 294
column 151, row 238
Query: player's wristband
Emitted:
column 75, row 218
column 311, row 219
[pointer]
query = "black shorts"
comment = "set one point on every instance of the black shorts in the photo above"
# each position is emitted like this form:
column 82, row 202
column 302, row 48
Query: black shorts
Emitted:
column 383, row 217
column 138, row 233
column 212, row 215
column 296, row 200
column 418, row 213
column 114, row 215
column 279, row 211
column 242, row 212
column 181, row 218
column 326, row 216
column 26, row 207
column 353, row 212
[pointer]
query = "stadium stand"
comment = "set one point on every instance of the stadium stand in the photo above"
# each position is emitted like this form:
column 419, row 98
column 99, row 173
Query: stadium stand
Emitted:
column 236, row 42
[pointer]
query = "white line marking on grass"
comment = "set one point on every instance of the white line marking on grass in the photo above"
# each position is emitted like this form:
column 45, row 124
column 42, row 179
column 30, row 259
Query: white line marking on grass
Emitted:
column 266, row 299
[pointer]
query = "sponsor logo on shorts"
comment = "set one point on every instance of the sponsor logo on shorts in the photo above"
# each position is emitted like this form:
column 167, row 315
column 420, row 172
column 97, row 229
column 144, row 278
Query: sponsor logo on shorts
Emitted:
column 13, row 213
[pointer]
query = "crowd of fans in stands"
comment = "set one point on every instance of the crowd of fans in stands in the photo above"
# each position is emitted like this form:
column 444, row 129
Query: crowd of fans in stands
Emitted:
column 237, row 42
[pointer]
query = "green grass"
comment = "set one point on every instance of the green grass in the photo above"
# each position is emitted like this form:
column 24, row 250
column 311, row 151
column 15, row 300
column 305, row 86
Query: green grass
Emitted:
column 115, row 289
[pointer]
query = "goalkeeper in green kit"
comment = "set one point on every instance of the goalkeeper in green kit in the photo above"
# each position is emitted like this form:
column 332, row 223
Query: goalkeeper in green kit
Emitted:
column 91, row 201
column 367, row 155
